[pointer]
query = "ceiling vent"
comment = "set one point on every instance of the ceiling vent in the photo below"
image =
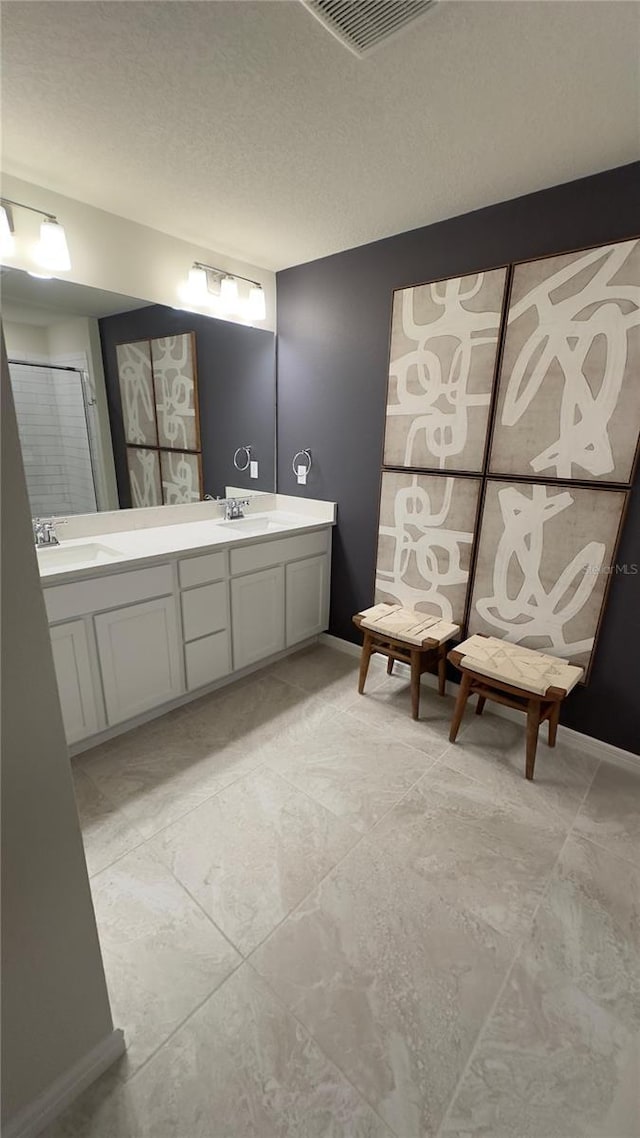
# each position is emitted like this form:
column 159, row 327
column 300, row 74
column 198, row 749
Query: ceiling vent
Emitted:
column 362, row 25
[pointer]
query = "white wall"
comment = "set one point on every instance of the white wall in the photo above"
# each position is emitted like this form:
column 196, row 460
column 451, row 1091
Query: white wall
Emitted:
column 121, row 256
column 55, row 1007
column 26, row 341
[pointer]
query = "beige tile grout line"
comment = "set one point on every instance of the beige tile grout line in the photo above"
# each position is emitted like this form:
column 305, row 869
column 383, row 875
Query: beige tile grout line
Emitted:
column 520, row 945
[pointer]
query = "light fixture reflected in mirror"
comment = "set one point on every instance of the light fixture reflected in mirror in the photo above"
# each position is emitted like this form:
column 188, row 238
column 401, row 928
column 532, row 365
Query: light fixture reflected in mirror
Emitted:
column 218, row 292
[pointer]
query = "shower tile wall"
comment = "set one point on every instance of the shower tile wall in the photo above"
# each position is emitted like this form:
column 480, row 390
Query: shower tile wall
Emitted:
column 53, row 436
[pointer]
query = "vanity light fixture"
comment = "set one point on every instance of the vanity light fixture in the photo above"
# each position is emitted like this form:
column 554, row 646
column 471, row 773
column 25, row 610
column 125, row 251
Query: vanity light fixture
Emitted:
column 51, row 252
column 226, row 299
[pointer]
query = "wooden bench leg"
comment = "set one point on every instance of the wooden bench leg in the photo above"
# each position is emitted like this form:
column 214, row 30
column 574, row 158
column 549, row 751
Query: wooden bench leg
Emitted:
column 553, row 724
column 458, row 711
column 442, row 670
column 415, row 685
column 367, row 652
column 480, row 704
column 533, row 722
column 390, row 663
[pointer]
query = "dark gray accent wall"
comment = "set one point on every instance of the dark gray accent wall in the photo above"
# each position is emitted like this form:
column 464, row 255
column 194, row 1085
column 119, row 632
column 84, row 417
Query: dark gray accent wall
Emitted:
column 236, row 386
column 333, row 342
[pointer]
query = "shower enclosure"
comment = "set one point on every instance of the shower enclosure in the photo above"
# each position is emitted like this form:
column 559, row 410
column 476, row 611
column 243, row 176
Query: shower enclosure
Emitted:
column 52, row 408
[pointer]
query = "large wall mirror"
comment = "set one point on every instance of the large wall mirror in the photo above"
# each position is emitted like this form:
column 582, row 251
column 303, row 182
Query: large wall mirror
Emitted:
column 121, row 403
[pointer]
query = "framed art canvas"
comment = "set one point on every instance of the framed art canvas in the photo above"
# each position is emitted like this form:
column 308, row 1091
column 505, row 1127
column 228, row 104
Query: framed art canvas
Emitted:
column 181, row 477
column 144, row 476
column 442, row 360
column 569, row 392
column 425, row 536
column 176, row 398
column 544, row 560
column 136, row 392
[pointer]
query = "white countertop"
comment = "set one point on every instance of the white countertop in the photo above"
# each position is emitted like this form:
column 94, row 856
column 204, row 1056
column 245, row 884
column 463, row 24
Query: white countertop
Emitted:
column 112, row 551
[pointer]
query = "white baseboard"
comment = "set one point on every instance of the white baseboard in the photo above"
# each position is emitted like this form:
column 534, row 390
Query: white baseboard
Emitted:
column 61, row 1093
column 595, row 748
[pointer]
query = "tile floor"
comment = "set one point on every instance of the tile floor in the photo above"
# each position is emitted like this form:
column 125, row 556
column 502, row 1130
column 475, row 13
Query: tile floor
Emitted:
column 320, row 920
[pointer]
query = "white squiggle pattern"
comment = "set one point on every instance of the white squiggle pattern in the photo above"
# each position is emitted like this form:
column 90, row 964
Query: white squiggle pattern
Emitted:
column 444, row 402
column 180, row 478
column 420, row 532
column 144, row 478
column 529, row 609
column 173, row 375
column 566, row 331
column 134, row 371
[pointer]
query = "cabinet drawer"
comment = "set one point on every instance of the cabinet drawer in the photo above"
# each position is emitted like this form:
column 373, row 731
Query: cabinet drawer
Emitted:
column 251, row 557
column 204, row 610
column 97, row 593
column 200, row 570
column 207, row 660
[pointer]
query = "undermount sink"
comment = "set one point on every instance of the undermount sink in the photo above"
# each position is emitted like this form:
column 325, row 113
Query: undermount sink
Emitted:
column 253, row 525
column 73, row 556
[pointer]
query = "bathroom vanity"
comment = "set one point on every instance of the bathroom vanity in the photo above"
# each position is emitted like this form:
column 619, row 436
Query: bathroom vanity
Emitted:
column 145, row 618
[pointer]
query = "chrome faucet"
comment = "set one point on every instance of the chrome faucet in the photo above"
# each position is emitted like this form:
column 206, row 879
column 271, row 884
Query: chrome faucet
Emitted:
column 233, row 507
column 44, row 532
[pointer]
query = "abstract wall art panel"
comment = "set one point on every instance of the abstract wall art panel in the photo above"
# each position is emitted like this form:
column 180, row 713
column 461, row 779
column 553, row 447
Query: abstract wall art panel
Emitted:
column 424, row 542
column 144, row 477
column 181, row 477
column 444, row 343
column 174, row 379
column 136, row 391
column 569, row 392
column 544, row 559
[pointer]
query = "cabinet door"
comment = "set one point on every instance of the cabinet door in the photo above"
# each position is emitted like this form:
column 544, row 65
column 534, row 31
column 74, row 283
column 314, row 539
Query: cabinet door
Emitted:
column 139, row 656
column 75, row 685
column 257, row 616
column 307, row 584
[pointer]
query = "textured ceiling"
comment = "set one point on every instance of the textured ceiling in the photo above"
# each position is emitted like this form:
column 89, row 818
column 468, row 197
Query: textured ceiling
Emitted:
column 247, row 128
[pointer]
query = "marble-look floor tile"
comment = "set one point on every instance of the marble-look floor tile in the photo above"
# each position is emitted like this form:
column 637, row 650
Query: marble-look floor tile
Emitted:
column 610, row 814
column 388, row 705
column 357, row 771
column 392, row 984
column 250, row 854
column 550, row 1064
column 162, row 955
column 478, row 852
column 240, row 1067
column 327, row 673
column 492, row 750
column 249, row 712
column 588, row 927
column 107, row 833
column 163, row 770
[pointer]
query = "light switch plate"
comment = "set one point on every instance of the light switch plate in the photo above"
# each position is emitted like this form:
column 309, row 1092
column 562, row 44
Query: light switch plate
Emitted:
column 253, row 470
column 302, row 476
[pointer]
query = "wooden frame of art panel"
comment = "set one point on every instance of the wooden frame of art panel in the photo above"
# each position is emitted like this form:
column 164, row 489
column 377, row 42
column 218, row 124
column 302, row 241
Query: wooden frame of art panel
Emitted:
column 443, row 352
column 426, row 532
column 175, row 384
column 568, row 395
column 538, row 579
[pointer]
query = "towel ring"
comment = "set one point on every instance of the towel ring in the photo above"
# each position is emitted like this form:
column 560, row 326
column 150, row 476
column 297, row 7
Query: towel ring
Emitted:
column 306, row 453
column 239, row 451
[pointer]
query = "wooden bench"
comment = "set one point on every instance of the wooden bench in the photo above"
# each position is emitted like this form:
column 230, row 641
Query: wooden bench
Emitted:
column 505, row 673
column 411, row 637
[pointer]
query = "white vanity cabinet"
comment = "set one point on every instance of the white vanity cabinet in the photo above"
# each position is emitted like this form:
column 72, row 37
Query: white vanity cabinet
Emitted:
column 257, row 616
column 78, row 699
column 128, row 641
column 139, row 655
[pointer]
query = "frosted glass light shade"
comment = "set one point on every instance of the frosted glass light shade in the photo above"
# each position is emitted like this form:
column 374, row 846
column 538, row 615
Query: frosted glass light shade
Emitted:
column 7, row 240
column 256, row 307
column 52, row 251
column 229, row 294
